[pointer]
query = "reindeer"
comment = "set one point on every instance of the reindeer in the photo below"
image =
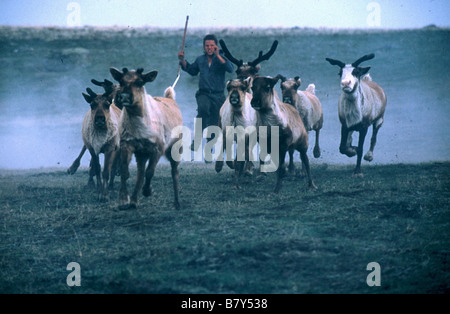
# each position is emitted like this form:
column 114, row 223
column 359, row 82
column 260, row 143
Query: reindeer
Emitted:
column 251, row 68
column 237, row 112
column 100, row 133
column 110, row 89
column 307, row 105
column 145, row 130
column 362, row 104
column 272, row 112
column 247, row 70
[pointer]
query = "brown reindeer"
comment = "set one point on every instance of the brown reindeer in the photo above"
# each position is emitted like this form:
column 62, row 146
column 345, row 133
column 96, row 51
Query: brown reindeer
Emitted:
column 250, row 68
column 307, row 105
column 145, row 131
column 110, row 89
column 272, row 112
column 100, row 133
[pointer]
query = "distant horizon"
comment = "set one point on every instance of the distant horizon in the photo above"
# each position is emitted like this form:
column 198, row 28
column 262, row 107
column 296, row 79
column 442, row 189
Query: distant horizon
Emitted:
column 372, row 29
column 340, row 14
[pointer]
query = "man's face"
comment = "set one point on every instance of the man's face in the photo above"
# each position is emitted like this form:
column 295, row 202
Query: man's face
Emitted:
column 210, row 47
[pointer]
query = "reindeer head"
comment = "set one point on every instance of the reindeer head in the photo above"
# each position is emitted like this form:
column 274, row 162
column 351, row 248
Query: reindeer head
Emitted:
column 263, row 93
column 351, row 74
column 131, row 88
column 100, row 104
column 251, row 68
column 236, row 93
column 289, row 89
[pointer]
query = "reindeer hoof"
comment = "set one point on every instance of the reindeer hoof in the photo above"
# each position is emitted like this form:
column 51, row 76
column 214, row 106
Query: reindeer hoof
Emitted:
column 147, row 192
column 358, row 175
column 316, row 152
column 219, row 166
column 368, row 156
column 348, row 151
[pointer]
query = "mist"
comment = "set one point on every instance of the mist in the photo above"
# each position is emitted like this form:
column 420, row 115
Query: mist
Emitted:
column 47, row 69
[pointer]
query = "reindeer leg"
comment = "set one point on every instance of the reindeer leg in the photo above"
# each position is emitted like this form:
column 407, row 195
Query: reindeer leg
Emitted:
column 238, row 170
column 126, row 152
column 115, row 167
column 281, row 170
column 141, row 160
column 149, row 173
column 74, row 167
column 362, row 136
column 108, row 177
column 91, row 183
column 175, row 178
column 176, row 182
column 248, row 168
column 305, row 163
column 219, row 163
column 96, row 170
column 376, row 126
column 346, row 142
column 316, row 150
column 291, row 166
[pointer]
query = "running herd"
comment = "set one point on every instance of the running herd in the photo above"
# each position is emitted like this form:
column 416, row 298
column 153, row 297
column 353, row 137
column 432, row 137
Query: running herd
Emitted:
column 125, row 120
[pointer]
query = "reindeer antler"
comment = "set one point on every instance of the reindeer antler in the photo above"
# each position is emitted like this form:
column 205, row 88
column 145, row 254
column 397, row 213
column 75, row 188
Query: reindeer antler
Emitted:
column 362, row 59
column 281, row 77
column 228, row 54
column 107, row 85
column 262, row 57
column 336, row 62
column 91, row 92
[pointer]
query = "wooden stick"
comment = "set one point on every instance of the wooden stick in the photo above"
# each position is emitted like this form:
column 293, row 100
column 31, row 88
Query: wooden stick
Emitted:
column 182, row 49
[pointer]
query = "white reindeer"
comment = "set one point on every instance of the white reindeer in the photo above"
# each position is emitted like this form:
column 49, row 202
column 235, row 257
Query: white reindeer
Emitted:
column 238, row 112
column 362, row 104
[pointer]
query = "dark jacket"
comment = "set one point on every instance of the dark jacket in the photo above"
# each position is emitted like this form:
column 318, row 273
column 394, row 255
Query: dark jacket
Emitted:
column 212, row 78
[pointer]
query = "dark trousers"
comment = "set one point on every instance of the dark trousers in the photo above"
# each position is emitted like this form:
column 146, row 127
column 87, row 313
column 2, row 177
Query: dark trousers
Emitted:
column 208, row 107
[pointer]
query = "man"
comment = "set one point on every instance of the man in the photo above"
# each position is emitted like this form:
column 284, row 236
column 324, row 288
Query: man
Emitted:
column 212, row 67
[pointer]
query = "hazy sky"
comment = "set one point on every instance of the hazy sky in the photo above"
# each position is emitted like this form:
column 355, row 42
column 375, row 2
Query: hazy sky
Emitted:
column 228, row 13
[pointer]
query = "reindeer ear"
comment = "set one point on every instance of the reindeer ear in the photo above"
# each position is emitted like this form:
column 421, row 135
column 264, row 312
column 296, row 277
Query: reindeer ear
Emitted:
column 246, row 83
column 298, row 81
column 359, row 71
column 150, row 76
column 274, row 81
column 116, row 74
column 87, row 98
column 228, row 85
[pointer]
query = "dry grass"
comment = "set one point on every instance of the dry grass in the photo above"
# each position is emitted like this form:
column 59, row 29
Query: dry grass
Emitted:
column 229, row 241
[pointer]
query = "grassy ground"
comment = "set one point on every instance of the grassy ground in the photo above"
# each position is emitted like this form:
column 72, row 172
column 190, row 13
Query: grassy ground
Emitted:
column 229, row 241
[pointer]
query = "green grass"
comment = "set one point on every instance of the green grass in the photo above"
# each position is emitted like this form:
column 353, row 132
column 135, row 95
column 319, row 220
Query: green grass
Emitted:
column 225, row 240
